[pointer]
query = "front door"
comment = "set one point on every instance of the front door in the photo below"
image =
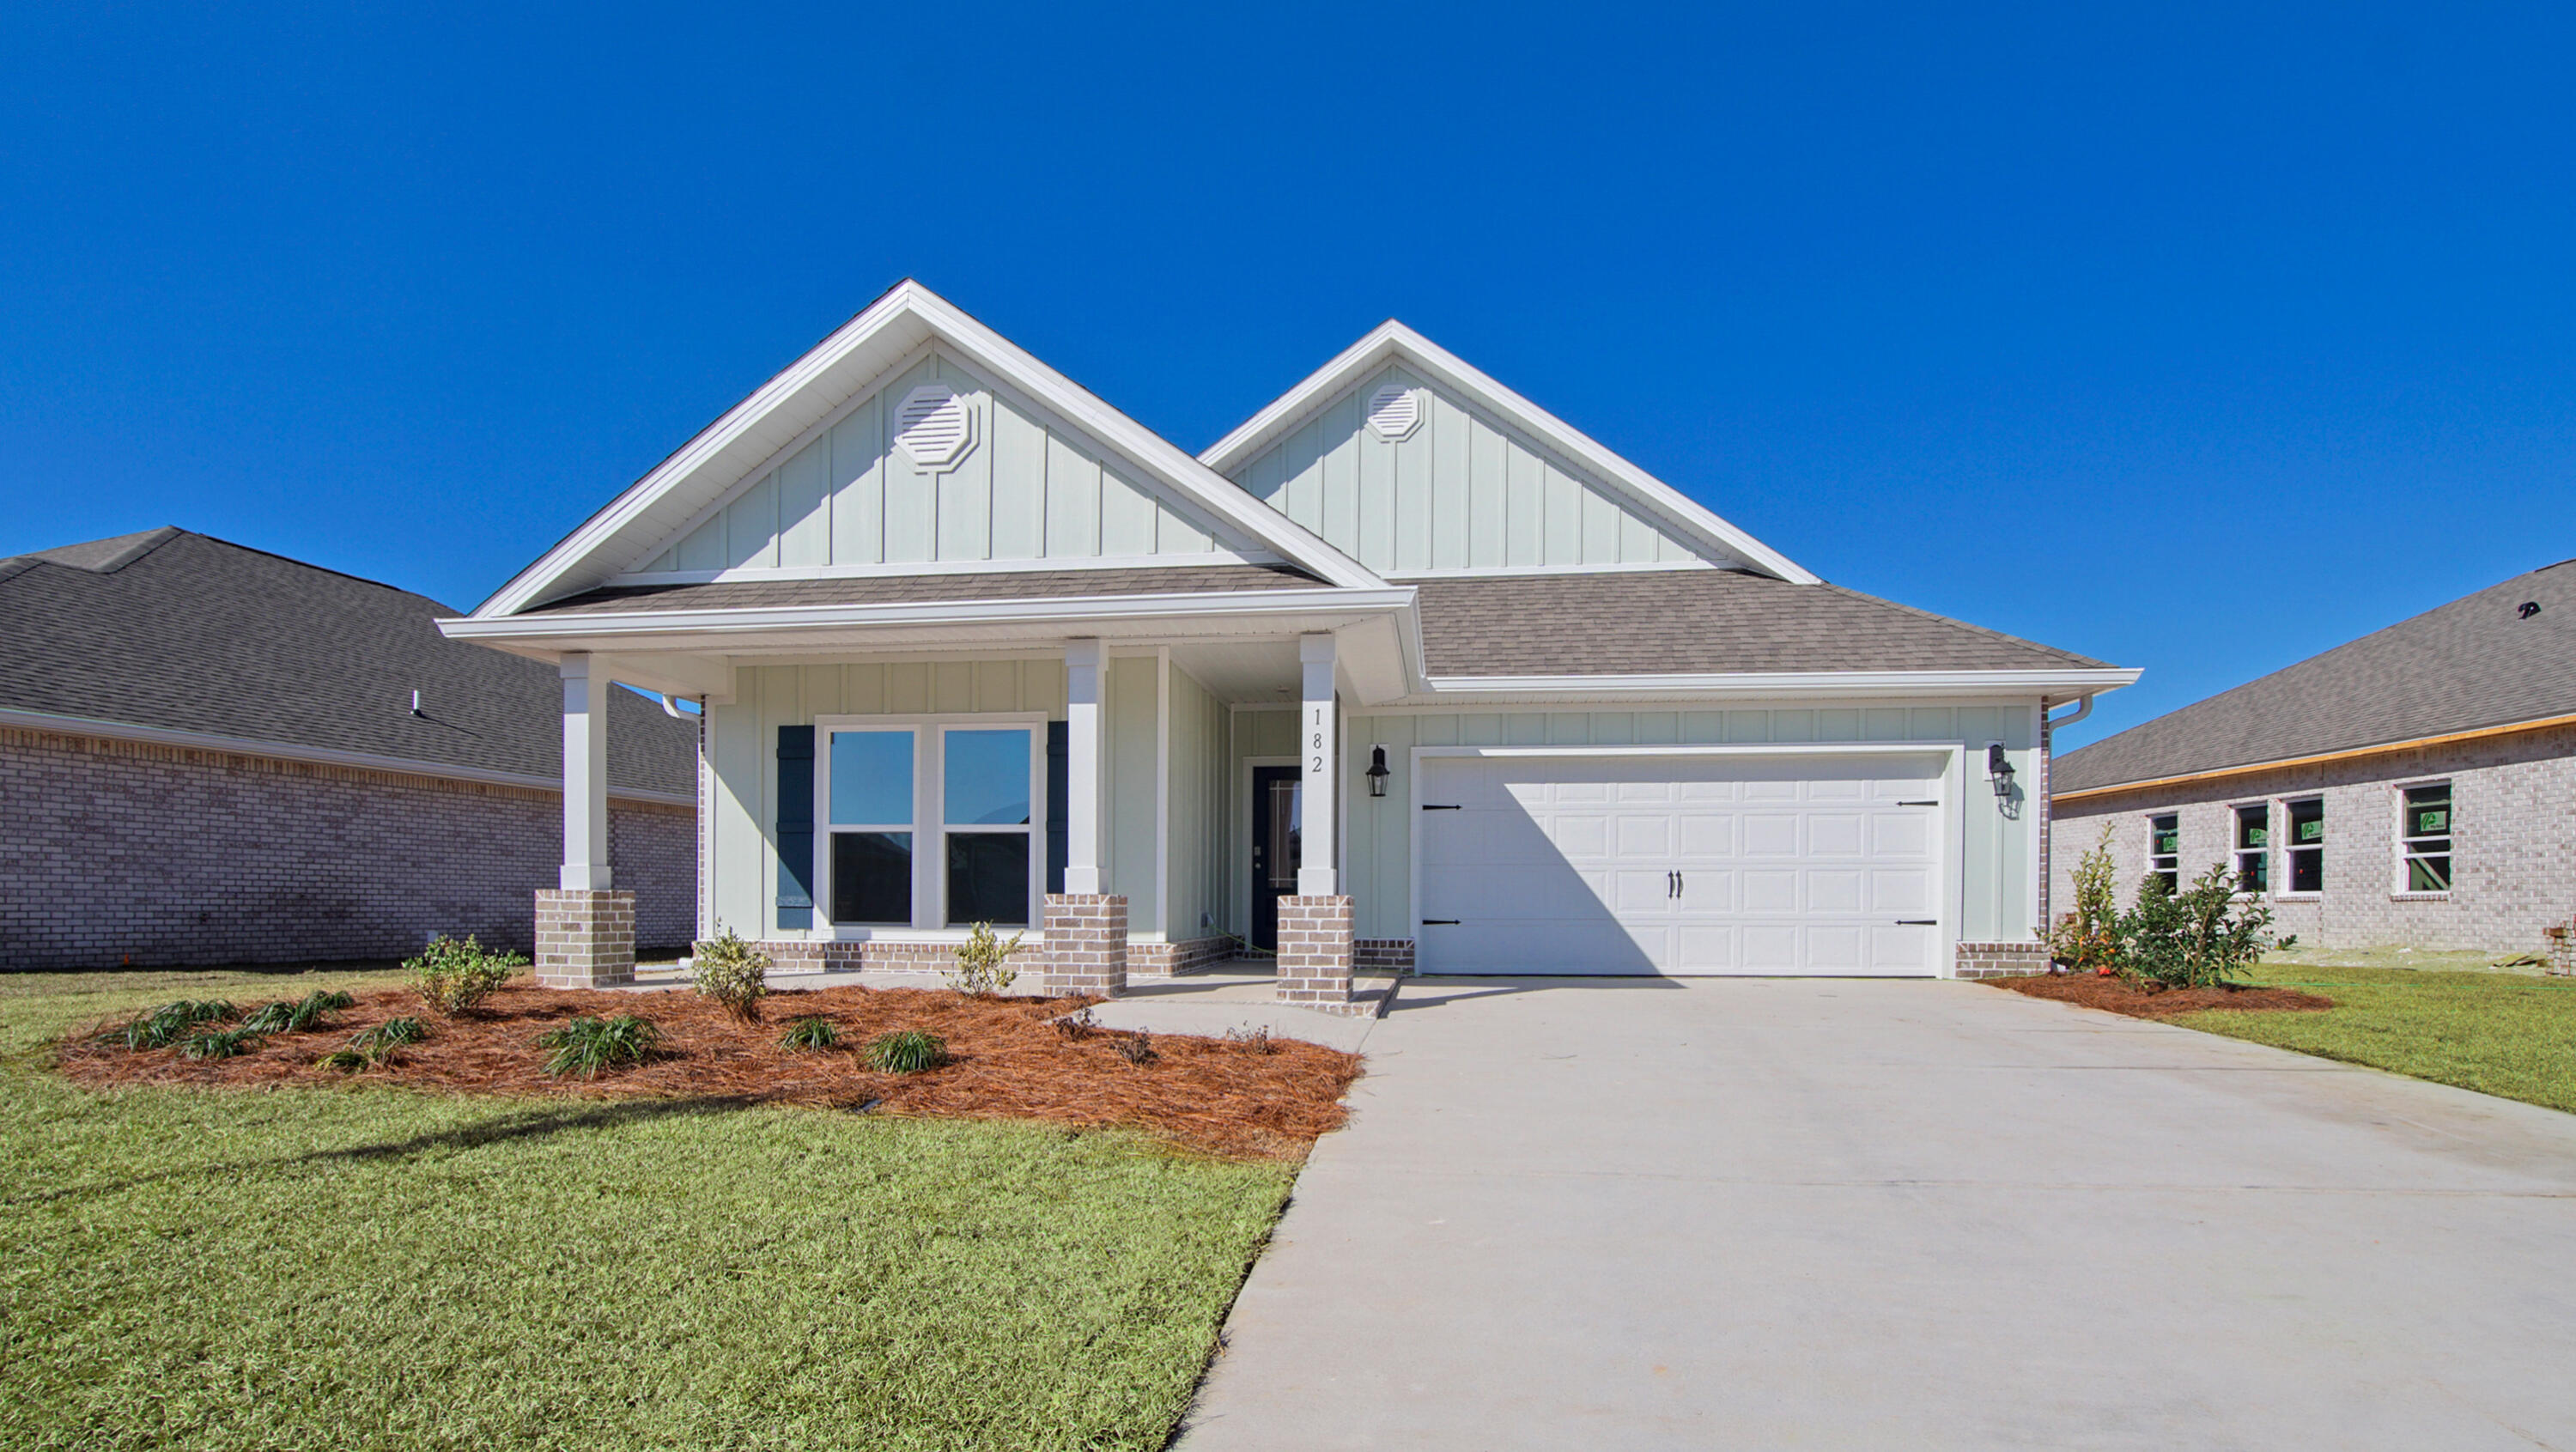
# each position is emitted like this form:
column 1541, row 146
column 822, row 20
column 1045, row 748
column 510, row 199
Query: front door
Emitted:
column 1277, row 793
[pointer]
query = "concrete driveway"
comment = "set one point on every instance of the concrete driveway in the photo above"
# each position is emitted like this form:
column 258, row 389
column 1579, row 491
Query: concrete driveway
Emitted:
column 1813, row 1214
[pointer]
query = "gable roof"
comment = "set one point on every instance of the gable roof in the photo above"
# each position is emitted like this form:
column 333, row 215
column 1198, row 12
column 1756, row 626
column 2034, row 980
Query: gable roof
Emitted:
column 2474, row 664
column 844, row 366
column 183, row 633
column 1392, row 341
column 920, row 589
column 1658, row 622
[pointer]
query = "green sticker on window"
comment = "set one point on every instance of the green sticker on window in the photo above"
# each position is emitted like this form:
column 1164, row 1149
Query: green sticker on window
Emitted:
column 2432, row 823
column 2312, row 831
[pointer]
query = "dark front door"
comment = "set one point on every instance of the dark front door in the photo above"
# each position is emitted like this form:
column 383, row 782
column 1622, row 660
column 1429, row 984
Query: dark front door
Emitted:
column 1276, row 799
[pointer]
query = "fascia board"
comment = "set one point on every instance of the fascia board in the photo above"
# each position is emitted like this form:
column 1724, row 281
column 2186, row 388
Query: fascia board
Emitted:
column 712, row 624
column 317, row 755
column 1779, row 685
column 936, row 318
column 1393, row 341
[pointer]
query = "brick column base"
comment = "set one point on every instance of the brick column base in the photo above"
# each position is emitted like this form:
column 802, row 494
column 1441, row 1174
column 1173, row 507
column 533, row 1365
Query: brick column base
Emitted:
column 585, row 939
column 1086, row 944
column 1315, row 953
column 2001, row 960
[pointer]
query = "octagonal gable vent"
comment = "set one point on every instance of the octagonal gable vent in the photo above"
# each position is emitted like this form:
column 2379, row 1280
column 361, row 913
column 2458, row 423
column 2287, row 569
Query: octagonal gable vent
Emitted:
column 1393, row 411
column 931, row 425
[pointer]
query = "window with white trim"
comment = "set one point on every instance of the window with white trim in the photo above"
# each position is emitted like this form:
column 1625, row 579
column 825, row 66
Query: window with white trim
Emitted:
column 930, row 824
column 2307, row 845
column 986, row 796
column 2254, row 847
column 2424, row 838
column 870, row 822
column 2164, row 849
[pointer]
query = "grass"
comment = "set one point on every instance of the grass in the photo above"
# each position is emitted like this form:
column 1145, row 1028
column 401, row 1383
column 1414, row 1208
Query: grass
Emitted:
column 378, row 1268
column 2506, row 1034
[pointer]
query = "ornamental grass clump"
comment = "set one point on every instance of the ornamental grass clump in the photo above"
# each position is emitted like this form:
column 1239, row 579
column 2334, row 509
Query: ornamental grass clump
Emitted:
column 161, row 1027
column 219, row 1043
column 984, row 963
column 298, row 1015
column 374, row 1046
column 585, row 1046
column 454, row 978
column 908, row 1052
column 810, row 1033
column 732, row 972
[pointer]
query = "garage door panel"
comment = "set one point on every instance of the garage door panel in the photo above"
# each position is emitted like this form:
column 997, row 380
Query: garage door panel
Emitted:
column 1783, row 865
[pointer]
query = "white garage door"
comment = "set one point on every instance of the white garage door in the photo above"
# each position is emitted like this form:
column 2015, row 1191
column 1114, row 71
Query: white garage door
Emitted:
column 1680, row 865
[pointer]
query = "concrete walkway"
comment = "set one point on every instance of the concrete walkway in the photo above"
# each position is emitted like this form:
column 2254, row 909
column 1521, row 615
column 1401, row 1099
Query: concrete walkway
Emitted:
column 1771, row 1214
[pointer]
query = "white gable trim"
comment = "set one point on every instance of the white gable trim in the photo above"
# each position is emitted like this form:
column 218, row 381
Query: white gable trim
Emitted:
column 734, row 448
column 1392, row 341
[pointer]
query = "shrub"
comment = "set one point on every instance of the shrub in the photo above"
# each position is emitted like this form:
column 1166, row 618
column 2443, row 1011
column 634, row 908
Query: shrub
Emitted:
column 219, row 1043
column 161, row 1027
column 1078, row 1026
column 1137, row 1048
column 454, row 978
column 732, row 972
column 285, row 1017
column 587, row 1045
column 1256, row 1038
column 2200, row 937
column 810, row 1033
column 983, row 963
column 374, row 1046
column 2088, row 939
column 909, row 1051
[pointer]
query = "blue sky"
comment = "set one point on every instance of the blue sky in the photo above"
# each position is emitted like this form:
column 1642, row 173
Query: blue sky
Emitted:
column 2198, row 341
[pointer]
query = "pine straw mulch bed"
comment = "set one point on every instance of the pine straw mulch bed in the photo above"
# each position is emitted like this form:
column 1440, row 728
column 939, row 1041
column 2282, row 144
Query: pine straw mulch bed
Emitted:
column 2119, row 995
column 1007, row 1061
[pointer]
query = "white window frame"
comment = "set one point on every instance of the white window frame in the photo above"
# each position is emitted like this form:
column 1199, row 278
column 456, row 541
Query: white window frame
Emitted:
column 2238, row 854
column 929, row 832
column 2290, row 848
column 2174, row 857
column 2398, row 888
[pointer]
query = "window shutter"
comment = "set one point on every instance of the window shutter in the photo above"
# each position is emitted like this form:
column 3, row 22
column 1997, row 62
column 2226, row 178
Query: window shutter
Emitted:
column 1059, row 744
column 795, row 826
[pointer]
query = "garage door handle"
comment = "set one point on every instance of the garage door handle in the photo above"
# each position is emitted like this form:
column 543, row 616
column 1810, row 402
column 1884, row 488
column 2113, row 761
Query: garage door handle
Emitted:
column 1918, row 922
column 1440, row 922
column 1936, row 801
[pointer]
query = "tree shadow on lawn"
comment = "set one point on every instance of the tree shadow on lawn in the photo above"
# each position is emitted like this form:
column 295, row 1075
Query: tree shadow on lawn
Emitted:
column 518, row 1124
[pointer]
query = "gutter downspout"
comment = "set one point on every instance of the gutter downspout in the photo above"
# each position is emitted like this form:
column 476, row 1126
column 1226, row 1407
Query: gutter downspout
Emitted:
column 2083, row 708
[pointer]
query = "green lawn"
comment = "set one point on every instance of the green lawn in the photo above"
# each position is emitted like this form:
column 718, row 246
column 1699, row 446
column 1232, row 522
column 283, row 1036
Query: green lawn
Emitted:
column 372, row 1268
column 2498, row 1033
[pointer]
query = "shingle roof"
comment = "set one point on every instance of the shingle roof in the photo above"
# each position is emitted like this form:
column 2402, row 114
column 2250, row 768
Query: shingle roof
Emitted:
column 2474, row 663
column 908, row 589
column 1688, row 622
column 183, row 632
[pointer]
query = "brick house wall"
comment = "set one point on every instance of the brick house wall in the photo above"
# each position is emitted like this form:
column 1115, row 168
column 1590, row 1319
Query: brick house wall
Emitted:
column 2513, row 845
column 116, row 851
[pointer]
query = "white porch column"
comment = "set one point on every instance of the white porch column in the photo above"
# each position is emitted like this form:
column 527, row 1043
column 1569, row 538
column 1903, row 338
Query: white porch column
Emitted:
column 585, row 765
column 1084, row 661
column 1319, row 756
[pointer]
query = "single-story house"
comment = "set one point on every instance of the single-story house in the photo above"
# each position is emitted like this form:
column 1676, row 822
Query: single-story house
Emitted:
column 1403, row 671
column 210, row 754
column 2413, row 788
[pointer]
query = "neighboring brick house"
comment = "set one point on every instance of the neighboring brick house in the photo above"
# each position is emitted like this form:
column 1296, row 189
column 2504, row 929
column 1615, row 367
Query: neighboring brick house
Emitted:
column 210, row 754
column 2416, row 787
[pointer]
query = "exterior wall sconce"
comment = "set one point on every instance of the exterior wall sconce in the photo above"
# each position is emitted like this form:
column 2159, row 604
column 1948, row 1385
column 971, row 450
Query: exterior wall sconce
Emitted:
column 1377, row 772
column 1999, row 771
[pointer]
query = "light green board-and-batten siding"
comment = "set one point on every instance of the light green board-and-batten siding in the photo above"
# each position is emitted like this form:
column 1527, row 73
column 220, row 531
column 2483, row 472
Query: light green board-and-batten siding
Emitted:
column 1198, row 775
column 1999, row 860
column 1132, row 802
column 1024, row 490
column 742, row 747
column 1463, row 490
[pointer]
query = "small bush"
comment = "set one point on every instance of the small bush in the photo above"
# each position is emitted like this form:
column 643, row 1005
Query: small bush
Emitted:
column 984, row 963
column 219, row 1043
column 908, row 1052
column 2087, row 940
column 2200, row 937
column 585, row 1046
column 1256, row 1039
column 161, row 1027
column 1137, row 1048
column 810, row 1033
column 454, row 978
column 1078, row 1026
column 732, row 972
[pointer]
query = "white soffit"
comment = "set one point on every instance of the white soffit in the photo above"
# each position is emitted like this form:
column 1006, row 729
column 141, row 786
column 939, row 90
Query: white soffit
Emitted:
column 839, row 368
column 1392, row 341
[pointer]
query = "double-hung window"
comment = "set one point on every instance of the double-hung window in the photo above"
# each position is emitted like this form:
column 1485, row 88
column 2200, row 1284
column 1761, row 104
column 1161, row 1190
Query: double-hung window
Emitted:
column 2425, row 838
column 2164, row 849
column 2254, row 847
column 930, row 825
column 2307, row 848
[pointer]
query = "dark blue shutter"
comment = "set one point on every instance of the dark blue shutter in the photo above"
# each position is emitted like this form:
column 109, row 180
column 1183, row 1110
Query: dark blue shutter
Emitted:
column 1058, row 744
column 795, row 826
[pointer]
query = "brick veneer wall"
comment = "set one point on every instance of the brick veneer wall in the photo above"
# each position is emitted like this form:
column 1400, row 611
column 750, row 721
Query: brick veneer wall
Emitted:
column 585, row 939
column 1315, row 953
column 117, row 851
column 2513, row 850
column 2000, row 960
column 1382, row 955
column 1162, row 960
column 1086, row 943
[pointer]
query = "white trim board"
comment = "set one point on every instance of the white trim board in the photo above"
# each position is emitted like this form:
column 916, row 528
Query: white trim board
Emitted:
column 316, row 755
column 1039, row 565
column 1392, row 341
